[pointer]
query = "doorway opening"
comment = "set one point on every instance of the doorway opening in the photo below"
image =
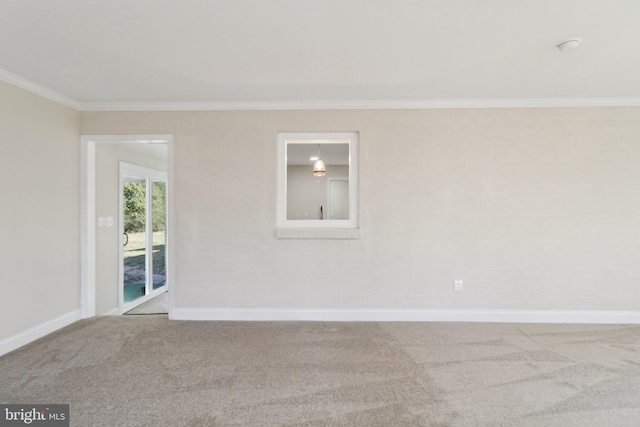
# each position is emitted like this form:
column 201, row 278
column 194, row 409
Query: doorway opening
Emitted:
column 338, row 198
column 101, row 290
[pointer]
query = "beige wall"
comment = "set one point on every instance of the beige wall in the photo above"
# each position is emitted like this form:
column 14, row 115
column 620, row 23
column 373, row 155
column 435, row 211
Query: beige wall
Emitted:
column 39, row 231
column 108, row 239
column 532, row 208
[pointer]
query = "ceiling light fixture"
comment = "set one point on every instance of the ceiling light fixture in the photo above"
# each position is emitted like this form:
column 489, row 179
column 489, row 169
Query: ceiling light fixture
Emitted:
column 318, row 166
column 569, row 45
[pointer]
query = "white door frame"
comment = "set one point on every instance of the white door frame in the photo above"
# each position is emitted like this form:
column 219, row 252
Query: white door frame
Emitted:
column 329, row 194
column 150, row 175
column 88, row 215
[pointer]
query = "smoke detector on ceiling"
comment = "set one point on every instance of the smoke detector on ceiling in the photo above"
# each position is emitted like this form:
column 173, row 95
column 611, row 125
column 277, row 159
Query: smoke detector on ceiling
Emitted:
column 569, row 45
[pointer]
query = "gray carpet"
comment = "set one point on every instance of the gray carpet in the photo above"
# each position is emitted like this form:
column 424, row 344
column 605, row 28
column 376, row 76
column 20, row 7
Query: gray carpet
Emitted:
column 156, row 305
column 151, row 371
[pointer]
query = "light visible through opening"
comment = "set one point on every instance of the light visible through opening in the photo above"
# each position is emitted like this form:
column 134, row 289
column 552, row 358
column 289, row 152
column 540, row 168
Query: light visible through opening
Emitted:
column 319, row 169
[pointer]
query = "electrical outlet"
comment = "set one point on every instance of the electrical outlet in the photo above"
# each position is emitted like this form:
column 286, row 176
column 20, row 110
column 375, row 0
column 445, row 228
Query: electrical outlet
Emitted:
column 457, row 285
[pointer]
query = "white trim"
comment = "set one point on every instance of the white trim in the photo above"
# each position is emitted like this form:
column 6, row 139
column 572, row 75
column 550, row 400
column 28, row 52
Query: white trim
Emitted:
column 25, row 337
column 88, row 215
column 39, row 90
column 316, row 105
column 380, row 315
column 121, row 235
column 317, row 233
column 364, row 105
column 87, row 227
column 285, row 138
column 170, row 254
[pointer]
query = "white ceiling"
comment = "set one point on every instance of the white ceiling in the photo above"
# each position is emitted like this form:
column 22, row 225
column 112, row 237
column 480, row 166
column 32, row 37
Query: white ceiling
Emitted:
column 247, row 52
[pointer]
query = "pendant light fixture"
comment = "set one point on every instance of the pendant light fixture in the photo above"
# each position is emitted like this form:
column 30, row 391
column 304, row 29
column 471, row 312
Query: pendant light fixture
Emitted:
column 318, row 167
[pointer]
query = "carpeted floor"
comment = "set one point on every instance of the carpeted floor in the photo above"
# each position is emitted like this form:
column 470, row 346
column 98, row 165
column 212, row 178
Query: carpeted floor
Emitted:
column 150, row 371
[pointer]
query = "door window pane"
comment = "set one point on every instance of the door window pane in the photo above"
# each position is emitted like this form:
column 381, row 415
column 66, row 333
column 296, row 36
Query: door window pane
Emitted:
column 134, row 193
column 159, row 233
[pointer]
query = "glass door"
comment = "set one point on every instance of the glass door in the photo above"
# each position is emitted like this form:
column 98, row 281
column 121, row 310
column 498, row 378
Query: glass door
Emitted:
column 134, row 195
column 159, row 222
column 144, row 226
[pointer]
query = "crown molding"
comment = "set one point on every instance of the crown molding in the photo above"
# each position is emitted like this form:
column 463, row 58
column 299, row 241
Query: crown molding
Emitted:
column 317, row 105
column 366, row 105
column 39, row 90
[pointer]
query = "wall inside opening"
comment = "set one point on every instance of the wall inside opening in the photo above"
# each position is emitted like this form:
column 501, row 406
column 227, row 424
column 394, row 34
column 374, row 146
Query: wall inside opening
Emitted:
column 305, row 192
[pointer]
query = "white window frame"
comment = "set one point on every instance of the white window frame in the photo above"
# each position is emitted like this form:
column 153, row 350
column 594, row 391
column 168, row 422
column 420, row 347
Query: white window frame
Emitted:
column 284, row 225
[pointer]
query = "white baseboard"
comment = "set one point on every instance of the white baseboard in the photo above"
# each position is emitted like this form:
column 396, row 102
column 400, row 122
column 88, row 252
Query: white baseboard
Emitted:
column 364, row 315
column 23, row 338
